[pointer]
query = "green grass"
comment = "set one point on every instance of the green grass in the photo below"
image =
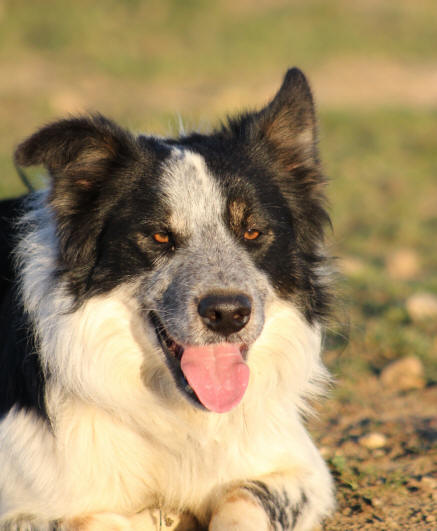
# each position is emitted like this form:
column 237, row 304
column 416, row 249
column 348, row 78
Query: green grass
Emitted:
column 383, row 165
column 383, row 192
column 149, row 39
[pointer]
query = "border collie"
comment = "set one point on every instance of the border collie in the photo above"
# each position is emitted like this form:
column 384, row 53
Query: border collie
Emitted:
column 162, row 306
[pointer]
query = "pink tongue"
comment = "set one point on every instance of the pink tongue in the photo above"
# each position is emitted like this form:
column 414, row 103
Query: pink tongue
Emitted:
column 217, row 374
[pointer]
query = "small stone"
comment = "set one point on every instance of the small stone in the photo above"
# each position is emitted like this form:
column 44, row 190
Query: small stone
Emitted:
column 373, row 440
column 430, row 518
column 403, row 264
column 404, row 374
column 422, row 306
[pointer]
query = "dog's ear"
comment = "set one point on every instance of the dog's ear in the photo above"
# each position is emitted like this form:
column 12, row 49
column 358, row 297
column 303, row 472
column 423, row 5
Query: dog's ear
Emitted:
column 288, row 122
column 283, row 138
column 79, row 153
column 90, row 161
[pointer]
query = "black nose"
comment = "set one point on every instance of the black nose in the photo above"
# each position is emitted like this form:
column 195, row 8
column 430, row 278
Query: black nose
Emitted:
column 225, row 314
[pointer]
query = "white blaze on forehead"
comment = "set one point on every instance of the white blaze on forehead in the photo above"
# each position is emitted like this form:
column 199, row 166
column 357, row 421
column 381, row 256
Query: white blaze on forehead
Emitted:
column 191, row 192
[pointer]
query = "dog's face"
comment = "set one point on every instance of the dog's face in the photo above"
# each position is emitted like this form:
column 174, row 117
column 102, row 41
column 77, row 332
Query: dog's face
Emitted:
column 203, row 228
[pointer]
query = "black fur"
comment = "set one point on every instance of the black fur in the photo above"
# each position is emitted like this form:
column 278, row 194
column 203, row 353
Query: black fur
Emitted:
column 283, row 515
column 21, row 379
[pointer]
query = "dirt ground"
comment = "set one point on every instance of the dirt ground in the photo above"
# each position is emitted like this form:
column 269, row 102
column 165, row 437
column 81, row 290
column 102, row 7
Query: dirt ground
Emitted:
column 394, row 484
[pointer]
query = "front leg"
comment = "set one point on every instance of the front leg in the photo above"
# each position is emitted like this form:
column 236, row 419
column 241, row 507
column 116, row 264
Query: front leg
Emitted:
column 275, row 503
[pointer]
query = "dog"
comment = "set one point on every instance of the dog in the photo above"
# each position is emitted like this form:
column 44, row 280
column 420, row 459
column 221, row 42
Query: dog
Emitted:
column 162, row 311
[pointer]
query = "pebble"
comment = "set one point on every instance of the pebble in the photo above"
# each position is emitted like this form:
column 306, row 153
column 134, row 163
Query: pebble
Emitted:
column 403, row 264
column 373, row 440
column 404, row 374
column 422, row 306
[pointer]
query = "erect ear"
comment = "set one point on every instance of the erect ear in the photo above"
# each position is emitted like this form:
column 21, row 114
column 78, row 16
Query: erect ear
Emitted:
column 284, row 135
column 89, row 159
column 288, row 122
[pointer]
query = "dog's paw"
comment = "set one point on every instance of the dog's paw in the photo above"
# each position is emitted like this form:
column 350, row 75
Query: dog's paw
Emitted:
column 239, row 511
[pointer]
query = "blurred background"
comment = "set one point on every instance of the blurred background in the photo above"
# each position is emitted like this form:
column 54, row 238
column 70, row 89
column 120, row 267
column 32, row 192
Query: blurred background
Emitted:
column 373, row 67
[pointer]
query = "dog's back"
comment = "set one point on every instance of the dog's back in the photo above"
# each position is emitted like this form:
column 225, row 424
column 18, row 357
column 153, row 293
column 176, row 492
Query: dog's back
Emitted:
column 20, row 372
column 10, row 210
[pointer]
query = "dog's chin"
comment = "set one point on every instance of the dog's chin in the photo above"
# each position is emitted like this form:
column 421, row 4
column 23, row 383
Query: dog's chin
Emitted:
column 174, row 353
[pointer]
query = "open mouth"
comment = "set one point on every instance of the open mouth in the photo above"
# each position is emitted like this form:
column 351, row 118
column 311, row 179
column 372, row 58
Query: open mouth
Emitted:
column 213, row 376
column 173, row 352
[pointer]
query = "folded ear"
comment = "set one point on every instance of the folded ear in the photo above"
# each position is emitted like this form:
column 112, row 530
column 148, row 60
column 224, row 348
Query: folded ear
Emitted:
column 80, row 151
column 90, row 161
column 288, row 122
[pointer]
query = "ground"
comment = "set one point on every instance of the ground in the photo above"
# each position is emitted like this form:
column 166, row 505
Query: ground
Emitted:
column 390, row 487
column 382, row 346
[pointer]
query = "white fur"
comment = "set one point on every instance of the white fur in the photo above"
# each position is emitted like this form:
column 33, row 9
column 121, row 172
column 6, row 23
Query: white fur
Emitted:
column 228, row 514
column 123, row 439
column 192, row 194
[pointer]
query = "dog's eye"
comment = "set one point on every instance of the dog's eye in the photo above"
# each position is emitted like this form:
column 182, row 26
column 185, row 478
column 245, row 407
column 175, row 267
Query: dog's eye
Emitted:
column 251, row 234
column 161, row 237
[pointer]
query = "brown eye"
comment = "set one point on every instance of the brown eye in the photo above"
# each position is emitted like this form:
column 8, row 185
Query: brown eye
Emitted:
column 251, row 234
column 161, row 237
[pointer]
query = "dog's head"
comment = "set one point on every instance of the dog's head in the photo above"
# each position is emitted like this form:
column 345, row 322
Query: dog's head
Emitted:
column 205, row 229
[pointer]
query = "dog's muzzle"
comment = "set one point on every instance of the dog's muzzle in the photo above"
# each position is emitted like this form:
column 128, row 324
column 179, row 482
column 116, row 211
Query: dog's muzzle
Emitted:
column 215, row 374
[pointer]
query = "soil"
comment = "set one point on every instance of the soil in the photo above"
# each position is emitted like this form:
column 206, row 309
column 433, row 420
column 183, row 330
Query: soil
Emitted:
column 392, row 486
